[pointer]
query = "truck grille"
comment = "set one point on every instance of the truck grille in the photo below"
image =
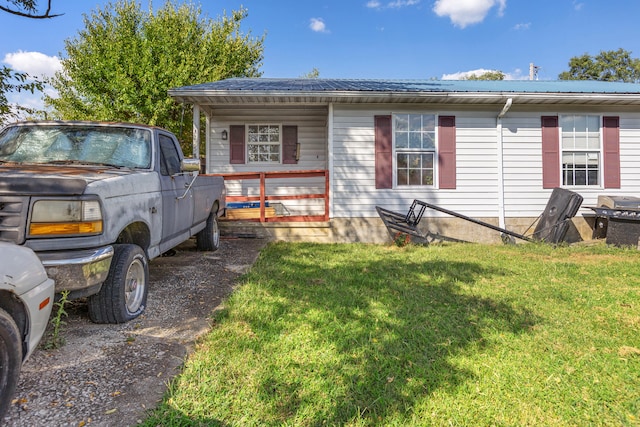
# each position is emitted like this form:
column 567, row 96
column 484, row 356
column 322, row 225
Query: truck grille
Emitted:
column 13, row 218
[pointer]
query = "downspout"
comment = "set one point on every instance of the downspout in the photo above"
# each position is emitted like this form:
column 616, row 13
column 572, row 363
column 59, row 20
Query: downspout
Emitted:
column 501, row 214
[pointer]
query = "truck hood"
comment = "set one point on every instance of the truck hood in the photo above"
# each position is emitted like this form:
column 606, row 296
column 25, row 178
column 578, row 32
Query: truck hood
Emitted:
column 53, row 179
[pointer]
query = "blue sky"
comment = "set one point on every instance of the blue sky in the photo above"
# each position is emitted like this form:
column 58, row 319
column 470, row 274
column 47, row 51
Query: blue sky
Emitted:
column 392, row 39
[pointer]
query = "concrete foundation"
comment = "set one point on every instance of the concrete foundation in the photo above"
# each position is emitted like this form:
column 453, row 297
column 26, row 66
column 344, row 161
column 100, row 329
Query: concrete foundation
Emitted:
column 372, row 230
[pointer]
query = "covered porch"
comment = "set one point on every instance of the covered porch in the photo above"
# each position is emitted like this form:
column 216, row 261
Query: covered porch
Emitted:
column 296, row 187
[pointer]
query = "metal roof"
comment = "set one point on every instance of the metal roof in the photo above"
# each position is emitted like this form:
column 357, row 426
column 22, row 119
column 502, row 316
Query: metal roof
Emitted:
column 310, row 91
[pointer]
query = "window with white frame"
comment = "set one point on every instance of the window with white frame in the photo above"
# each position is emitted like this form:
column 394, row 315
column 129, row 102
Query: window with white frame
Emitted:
column 415, row 148
column 581, row 150
column 264, row 143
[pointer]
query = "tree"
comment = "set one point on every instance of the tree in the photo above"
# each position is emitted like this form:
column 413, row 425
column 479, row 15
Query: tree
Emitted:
column 612, row 66
column 313, row 74
column 13, row 81
column 27, row 9
column 121, row 65
column 489, row 75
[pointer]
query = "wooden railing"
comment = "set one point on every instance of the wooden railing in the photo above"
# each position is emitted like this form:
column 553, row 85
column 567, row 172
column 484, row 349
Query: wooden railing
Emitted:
column 263, row 197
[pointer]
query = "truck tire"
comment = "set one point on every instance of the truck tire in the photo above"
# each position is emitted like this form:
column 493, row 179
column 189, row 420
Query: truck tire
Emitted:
column 123, row 295
column 10, row 360
column 208, row 239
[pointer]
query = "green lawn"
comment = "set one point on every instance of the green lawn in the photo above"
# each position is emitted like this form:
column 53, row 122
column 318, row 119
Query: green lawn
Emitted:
column 458, row 334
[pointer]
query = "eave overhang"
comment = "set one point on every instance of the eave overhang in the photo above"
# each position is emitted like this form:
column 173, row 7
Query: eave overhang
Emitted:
column 255, row 97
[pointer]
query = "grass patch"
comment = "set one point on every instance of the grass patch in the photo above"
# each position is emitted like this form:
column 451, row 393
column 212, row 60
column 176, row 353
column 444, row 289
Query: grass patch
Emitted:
column 462, row 334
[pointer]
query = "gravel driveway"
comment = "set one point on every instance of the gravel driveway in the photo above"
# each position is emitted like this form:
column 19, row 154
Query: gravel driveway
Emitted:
column 109, row 375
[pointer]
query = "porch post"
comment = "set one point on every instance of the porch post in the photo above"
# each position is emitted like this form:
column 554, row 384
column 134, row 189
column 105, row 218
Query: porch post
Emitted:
column 196, row 131
column 329, row 178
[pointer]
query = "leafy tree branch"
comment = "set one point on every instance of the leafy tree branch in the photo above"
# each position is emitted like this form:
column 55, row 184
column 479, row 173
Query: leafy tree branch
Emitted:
column 28, row 9
column 11, row 81
column 613, row 66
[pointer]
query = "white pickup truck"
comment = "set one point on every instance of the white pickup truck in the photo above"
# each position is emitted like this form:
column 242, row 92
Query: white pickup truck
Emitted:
column 26, row 299
column 96, row 201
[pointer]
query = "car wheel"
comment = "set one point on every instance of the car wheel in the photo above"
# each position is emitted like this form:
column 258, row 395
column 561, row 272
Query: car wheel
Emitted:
column 208, row 239
column 10, row 360
column 123, row 295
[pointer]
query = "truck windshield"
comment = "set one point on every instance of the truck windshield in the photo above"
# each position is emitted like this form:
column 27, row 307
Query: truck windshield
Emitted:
column 83, row 144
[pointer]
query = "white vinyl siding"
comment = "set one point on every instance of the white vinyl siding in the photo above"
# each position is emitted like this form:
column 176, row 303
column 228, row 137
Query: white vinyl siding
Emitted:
column 477, row 158
column 522, row 135
column 312, row 136
column 353, row 176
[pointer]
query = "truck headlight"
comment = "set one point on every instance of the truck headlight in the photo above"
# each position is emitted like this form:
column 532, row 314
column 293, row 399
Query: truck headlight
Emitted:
column 65, row 217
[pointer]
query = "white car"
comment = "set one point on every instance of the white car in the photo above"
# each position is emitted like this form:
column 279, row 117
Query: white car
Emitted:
column 26, row 300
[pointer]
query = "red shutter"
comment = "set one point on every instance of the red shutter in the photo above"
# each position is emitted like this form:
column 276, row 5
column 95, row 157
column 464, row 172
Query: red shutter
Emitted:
column 611, row 142
column 447, row 152
column 550, row 152
column 384, row 152
column 236, row 144
column 289, row 144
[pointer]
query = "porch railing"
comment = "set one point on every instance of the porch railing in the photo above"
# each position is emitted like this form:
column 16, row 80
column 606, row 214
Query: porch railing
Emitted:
column 263, row 198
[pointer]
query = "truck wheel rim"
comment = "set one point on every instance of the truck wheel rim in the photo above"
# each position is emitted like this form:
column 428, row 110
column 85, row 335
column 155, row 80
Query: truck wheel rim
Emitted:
column 134, row 286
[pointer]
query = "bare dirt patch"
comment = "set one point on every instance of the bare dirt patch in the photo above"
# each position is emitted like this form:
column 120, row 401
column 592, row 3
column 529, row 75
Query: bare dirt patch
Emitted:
column 107, row 375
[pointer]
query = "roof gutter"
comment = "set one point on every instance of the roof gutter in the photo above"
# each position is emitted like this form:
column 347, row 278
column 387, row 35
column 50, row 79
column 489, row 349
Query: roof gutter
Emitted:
column 500, row 149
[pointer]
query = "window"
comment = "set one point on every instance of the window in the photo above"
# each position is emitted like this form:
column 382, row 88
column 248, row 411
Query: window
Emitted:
column 263, row 143
column 608, row 174
column 415, row 148
column 581, row 150
column 169, row 157
column 385, row 151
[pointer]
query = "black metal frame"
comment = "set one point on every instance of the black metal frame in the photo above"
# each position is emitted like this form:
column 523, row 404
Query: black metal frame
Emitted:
column 616, row 213
column 408, row 223
column 552, row 223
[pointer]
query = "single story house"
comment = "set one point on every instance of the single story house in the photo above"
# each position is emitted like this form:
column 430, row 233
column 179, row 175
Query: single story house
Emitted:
column 321, row 154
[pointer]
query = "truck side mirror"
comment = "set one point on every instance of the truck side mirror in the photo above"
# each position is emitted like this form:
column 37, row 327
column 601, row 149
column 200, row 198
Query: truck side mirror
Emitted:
column 190, row 165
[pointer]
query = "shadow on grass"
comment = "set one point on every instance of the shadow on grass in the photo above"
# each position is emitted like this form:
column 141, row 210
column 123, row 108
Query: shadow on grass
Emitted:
column 390, row 324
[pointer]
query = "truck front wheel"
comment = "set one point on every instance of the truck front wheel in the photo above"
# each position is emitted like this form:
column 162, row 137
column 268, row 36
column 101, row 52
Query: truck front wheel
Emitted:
column 123, row 295
column 208, row 239
column 10, row 359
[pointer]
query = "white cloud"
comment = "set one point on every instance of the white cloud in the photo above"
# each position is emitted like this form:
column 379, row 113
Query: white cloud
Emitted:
column 464, row 74
column 522, row 26
column 577, row 5
column 402, row 3
column 460, row 75
column 395, row 4
column 318, row 25
column 35, row 64
column 467, row 12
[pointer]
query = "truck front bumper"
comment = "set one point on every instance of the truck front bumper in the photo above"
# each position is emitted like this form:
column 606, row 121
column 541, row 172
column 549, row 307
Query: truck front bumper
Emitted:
column 80, row 272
